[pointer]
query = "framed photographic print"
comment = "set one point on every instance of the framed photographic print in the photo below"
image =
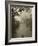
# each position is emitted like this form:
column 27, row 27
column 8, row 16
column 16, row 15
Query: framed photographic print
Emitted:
column 21, row 22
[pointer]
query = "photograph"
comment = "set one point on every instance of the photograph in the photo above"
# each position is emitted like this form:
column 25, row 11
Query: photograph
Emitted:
column 21, row 22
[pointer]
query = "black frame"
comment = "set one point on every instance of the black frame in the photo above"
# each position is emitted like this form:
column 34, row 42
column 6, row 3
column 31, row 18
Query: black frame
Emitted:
column 6, row 30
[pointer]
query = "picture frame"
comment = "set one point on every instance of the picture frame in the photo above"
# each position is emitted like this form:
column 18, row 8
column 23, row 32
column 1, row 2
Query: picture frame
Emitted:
column 15, row 35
